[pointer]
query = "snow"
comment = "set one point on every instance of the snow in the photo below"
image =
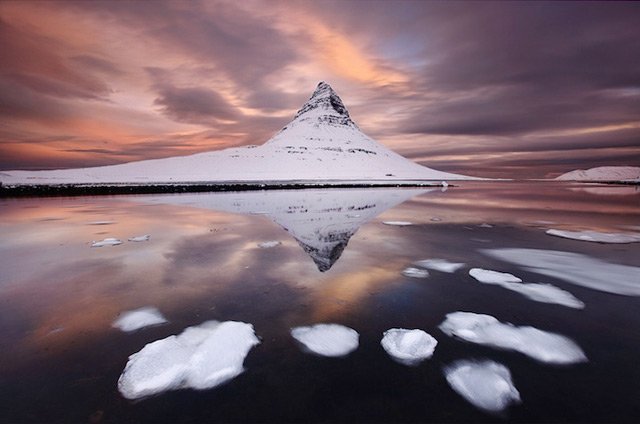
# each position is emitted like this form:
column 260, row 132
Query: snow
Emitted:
column 603, row 173
column 106, row 242
column 269, row 244
column 331, row 340
column 409, row 347
column 415, row 272
column 101, row 222
column 136, row 239
column 397, row 223
column 485, row 384
column 321, row 143
column 596, row 236
column 540, row 345
column 574, row 268
column 139, row 318
column 441, row 265
column 201, row 357
column 493, row 277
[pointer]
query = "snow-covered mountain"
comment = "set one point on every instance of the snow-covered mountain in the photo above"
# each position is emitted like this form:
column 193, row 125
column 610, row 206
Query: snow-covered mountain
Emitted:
column 321, row 221
column 321, row 143
column 603, row 173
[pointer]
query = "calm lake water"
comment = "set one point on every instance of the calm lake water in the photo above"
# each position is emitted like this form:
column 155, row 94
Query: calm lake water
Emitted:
column 61, row 358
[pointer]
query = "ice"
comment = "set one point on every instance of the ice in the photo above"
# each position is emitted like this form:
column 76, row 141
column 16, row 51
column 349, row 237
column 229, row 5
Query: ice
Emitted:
column 485, row 384
column 269, row 244
column 441, row 265
column 415, row 272
column 540, row 345
column 596, row 236
column 200, row 358
column 106, row 242
column 485, row 225
column 145, row 237
column 139, row 318
column 397, row 223
column 493, row 277
column 575, row 268
column 327, row 339
column 409, row 347
column 101, row 222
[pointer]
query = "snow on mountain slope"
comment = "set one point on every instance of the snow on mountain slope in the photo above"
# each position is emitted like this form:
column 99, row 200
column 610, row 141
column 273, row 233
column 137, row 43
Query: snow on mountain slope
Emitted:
column 321, row 143
column 603, row 173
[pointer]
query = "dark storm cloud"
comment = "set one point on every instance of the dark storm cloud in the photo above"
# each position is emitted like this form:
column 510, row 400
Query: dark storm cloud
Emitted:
column 194, row 104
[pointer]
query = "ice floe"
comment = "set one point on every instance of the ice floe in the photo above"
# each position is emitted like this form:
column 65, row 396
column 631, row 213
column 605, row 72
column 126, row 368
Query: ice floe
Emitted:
column 485, row 384
column 200, row 357
column 493, row 277
column 139, row 318
column 269, row 244
column 397, row 223
column 545, row 293
column 409, row 347
column 441, row 265
column 575, row 268
column 415, row 272
column 327, row 339
column 537, row 344
column 596, row 236
column 101, row 222
column 106, row 242
column 145, row 237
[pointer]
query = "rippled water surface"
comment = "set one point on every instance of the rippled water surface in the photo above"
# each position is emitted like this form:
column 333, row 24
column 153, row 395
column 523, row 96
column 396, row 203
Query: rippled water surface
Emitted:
column 285, row 259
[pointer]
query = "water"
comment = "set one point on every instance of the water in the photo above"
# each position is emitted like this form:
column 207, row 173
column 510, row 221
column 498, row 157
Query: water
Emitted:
column 336, row 263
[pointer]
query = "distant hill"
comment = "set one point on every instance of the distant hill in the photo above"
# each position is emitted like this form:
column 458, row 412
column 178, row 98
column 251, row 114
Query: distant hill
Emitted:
column 603, row 173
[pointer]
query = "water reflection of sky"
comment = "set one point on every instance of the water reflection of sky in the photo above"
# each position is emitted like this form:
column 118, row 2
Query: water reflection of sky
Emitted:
column 59, row 295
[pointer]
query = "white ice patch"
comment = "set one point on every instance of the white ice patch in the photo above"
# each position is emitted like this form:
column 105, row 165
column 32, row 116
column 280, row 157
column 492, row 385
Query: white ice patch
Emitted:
column 485, row 225
column 441, row 265
column 269, row 244
column 145, row 237
column 397, row 223
column 485, row 384
column 106, row 242
column 415, row 272
column 575, row 268
column 200, row 358
column 408, row 347
column 327, row 339
column 101, row 222
column 493, row 277
column 537, row 344
column 139, row 318
column 595, row 236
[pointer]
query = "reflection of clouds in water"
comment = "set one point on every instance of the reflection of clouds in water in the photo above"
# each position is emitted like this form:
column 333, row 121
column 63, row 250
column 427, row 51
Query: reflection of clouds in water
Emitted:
column 200, row 357
column 596, row 236
column 540, row 345
column 485, row 384
column 575, row 268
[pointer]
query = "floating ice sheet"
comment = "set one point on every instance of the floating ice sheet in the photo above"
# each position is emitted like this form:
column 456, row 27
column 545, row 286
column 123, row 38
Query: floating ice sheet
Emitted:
column 537, row 344
column 106, row 242
column 409, row 347
column 145, row 237
column 269, row 244
column 575, row 268
column 327, row 339
column 595, row 236
column 200, row 358
column 441, row 265
column 493, row 277
column 415, row 272
column 139, row 318
column 101, row 222
column 485, row 384
column 545, row 293
column 397, row 223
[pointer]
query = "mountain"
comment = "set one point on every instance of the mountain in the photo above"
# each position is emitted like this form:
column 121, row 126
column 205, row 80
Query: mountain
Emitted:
column 321, row 221
column 321, row 143
column 603, row 173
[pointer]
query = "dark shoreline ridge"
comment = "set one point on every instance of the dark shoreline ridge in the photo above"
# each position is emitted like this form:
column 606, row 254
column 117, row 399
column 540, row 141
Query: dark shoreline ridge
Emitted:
column 109, row 189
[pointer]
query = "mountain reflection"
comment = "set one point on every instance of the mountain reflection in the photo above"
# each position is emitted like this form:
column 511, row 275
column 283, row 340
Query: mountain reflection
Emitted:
column 321, row 221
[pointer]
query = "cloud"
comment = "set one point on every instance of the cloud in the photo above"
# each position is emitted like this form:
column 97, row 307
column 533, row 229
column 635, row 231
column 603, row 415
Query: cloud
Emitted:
column 195, row 104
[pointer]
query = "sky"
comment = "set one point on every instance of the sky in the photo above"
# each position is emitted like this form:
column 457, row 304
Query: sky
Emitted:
column 493, row 89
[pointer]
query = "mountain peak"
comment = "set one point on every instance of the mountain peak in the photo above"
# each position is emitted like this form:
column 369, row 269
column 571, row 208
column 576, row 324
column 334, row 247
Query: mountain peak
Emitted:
column 325, row 103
